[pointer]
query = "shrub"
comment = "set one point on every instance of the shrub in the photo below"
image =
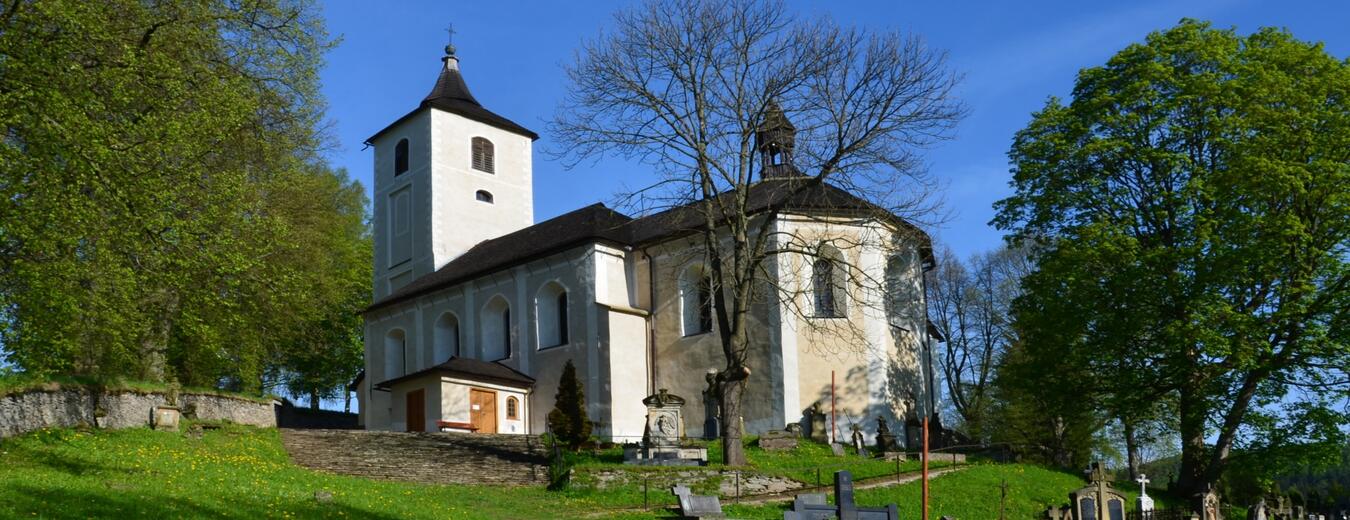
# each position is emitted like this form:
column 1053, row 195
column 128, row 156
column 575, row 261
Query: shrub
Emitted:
column 567, row 421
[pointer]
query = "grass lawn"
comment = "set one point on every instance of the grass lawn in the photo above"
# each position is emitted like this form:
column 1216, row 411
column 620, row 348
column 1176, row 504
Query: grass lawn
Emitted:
column 234, row 472
column 971, row 493
column 243, row 472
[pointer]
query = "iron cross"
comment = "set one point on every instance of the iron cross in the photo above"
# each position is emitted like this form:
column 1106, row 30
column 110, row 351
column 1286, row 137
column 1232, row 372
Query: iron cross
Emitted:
column 450, row 34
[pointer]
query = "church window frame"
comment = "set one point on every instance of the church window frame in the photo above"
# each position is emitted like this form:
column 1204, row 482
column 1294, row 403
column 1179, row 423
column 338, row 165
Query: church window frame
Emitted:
column 401, row 157
column 829, row 283
column 696, row 305
column 395, row 353
column 483, row 154
column 551, row 316
column 512, row 409
column 446, row 337
column 483, row 196
column 495, row 329
column 400, row 226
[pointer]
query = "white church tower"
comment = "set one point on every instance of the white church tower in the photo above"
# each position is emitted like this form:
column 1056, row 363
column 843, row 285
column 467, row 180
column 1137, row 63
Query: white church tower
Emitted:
column 448, row 175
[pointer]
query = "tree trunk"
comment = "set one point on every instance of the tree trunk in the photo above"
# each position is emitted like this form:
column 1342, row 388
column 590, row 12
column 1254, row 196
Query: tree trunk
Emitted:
column 733, row 450
column 314, row 400
column 1191, row 477
column 1131, row 449
column 155, row 344
column 347, row 402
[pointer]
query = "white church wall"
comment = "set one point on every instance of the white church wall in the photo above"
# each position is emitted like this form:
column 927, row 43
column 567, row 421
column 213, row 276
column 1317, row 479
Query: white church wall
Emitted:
column 875, row 367
column 682, row 361
column 627, row 374
column 458, row 220
column 414, row 182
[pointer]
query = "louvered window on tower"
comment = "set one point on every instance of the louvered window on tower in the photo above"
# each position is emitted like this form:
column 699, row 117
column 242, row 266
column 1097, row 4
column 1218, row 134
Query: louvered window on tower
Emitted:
column 482, row 155
column 401, row 156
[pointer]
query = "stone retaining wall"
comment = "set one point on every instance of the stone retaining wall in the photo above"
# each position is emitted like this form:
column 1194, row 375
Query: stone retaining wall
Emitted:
column 725, row 481
column 433, row 458
column 70, row 407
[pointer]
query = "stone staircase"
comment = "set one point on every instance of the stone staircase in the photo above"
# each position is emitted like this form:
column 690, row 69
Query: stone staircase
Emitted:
column 433, row 458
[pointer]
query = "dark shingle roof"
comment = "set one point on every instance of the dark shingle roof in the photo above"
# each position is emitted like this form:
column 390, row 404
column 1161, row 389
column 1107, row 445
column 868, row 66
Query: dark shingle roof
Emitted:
column 452, row 95
column 487, row 371
column 597, row 223
column 589, row 224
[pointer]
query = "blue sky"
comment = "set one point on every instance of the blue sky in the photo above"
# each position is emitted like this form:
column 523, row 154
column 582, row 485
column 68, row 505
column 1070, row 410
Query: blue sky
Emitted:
column 1013, row 56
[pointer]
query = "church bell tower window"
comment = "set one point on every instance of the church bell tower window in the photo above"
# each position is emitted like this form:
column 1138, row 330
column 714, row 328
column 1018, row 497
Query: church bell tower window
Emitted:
column 482, row 155
column 401, row 156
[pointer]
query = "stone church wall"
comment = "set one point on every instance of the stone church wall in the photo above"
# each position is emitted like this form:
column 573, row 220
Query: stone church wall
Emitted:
column 38, row 409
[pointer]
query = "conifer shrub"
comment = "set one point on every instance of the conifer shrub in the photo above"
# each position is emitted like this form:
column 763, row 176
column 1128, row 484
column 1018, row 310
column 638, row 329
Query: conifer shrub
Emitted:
column 567, row 421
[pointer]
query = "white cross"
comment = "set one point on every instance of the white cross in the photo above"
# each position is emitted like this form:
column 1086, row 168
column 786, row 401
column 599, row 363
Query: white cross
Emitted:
column 1143, row 484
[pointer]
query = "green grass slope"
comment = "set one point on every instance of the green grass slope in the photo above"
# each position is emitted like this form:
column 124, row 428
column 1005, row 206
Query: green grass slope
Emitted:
column 233, row 472
column 243, row 472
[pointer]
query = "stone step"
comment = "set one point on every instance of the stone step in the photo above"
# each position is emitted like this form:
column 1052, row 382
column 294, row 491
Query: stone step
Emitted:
column 433, row 458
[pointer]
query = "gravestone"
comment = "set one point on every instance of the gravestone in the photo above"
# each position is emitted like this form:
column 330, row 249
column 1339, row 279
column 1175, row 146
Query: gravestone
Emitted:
column 819, row 431
column 1258, row 510
column 1145, row 503
column 859, row 443
column 813, row 506
column 661, row 440
column 1206, row 504
column 1097, row 501
column 913, row 431
column 886, row 443
column 166, row 418
column 795, row 429
column 777, row 440
column 696, row 506
column 837, row 449
column 664, row 422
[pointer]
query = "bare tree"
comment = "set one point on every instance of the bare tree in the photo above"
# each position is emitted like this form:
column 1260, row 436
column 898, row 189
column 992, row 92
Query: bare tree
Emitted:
column 702, row 90
column 970, row 305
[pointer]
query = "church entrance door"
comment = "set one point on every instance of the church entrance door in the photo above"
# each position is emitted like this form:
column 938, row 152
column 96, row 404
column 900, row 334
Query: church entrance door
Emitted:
column 483, row 410
column 417, row 410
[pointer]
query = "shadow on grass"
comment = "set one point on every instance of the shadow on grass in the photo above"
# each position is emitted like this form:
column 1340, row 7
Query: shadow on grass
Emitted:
column 30, row 500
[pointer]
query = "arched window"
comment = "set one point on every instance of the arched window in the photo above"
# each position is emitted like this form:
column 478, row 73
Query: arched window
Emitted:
column 483, row 196
column 495, row 326
column 512, row 408
column 446, row 338
column 401, row 156
column 395, row 346
column 696, row 301
column 904, row 305
column 482, row 155
column 828, row 283
column 550, row 308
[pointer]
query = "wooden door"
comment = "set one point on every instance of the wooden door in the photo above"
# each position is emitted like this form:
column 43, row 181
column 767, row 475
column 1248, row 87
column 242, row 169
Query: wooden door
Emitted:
column 483, row 410
column 417, row 410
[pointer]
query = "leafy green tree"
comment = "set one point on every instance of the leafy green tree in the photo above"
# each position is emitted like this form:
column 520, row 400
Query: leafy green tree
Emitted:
column 325, row 213
column 1193, row 200
column 567, row 420
column 150, row 153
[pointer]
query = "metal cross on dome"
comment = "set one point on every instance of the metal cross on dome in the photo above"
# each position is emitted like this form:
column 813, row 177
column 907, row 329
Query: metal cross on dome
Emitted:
column 450, row 39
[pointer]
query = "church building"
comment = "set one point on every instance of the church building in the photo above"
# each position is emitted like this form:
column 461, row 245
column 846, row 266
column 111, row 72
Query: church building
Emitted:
column 477, row 307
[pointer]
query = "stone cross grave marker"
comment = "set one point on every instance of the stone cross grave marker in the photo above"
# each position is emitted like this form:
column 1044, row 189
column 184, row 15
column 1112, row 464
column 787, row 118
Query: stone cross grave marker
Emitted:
column 1097, row 501
column 697, row 506
column 1145, row 502
column 813, row 507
